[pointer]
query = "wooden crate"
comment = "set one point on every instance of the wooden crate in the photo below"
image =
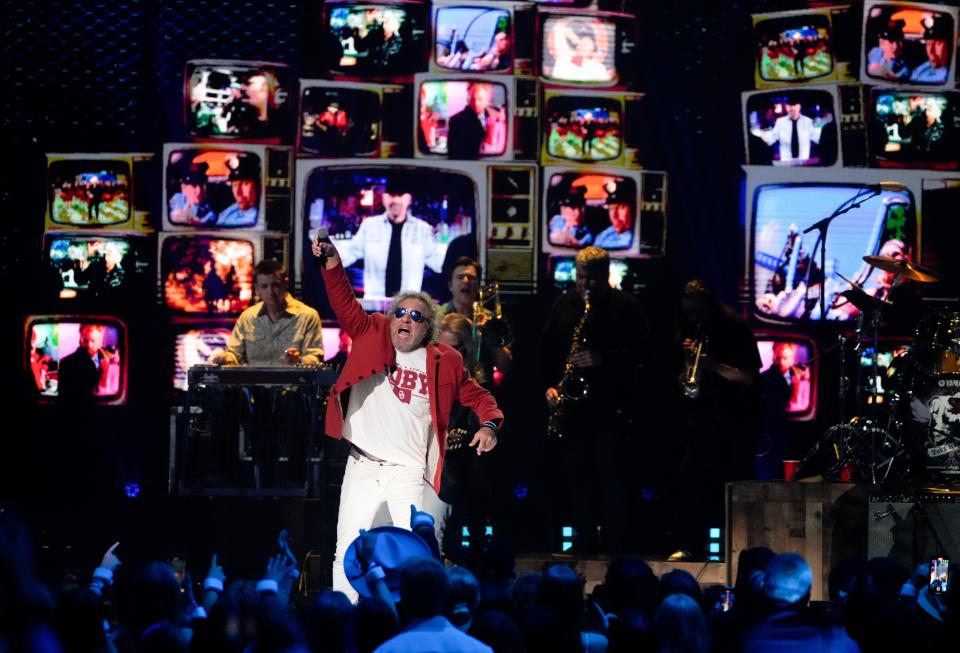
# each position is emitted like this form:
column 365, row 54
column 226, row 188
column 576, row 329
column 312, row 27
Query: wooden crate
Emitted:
column 823, row 522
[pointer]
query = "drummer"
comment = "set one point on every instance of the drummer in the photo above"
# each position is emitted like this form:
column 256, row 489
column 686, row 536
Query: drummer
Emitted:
column 879, row 284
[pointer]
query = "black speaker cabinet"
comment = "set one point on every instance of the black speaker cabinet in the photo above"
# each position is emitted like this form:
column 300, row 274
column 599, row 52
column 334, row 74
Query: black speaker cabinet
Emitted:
column 912, row 527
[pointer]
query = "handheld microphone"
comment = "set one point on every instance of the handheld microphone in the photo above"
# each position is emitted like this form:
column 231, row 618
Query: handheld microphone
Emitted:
column 323, row 236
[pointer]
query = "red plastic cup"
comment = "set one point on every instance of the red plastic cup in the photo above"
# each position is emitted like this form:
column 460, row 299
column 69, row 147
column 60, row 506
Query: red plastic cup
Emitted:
column 846, row 473
column 790, row 468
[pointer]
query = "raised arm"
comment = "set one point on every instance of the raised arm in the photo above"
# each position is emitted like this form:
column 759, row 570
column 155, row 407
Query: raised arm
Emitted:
column 353, row 319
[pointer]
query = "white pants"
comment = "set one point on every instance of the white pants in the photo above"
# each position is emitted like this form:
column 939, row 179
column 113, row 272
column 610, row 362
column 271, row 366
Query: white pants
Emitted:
column 367, row 485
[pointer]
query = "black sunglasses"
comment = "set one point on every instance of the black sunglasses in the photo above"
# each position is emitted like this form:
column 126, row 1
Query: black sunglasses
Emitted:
column 415, row 315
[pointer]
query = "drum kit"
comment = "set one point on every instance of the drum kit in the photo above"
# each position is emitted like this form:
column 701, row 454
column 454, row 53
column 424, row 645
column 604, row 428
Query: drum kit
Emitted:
column 911, row 429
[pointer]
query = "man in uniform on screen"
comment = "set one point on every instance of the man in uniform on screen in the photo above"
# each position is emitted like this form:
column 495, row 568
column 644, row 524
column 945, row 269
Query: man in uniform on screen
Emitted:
column 936, row 38
column 395, row 246
column 886, row 59
column 190, row 206
column 794, row 133
column 279, row 330
column 244, row 183
column 619, row 235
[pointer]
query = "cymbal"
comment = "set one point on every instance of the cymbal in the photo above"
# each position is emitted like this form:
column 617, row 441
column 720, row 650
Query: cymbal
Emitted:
column 863, row 301
column 904, row 268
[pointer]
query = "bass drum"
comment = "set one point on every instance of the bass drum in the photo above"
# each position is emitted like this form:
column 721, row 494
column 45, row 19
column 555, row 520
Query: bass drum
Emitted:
column 933, row 408
column 936, row 350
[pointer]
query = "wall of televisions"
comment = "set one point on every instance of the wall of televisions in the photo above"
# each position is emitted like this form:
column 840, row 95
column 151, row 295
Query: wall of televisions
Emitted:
column 856, row 117
column 513, row 126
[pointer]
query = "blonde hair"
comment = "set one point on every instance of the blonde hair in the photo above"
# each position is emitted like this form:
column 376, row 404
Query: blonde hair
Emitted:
column 593, row 257
column 462, row 327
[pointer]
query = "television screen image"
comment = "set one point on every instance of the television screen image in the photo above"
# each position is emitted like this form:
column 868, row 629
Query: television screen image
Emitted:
column 196, row 347
column 89, row 193
column 207, row 274
column 336, row 345
column 892, row 361
column 339, row 122
column 462, row 119
column 583, row 129
column 214, row 188
column 377, row 40
column 915, row 129
column 794, row 48
column 98, row 265
column 909, row 43
column 787, row 373
column 359, row 204
column 791, row 128
column 238, row 100
column 787, row 278
column 77, row 358
column 565, row 272
column 473, row 38
column 579, row 49
column 591, row 209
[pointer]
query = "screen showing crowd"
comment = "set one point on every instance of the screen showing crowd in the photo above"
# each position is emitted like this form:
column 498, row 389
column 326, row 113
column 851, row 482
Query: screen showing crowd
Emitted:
column 376, row 40
column 579, row 49
column 72, row 359
column 473, row 38
column 794, row 48
column 794, row 128
column 908, row 45
column 432, row 211
column 236, row 101
column 203, row 274
column 583, row 129
column 591, row 209
column 788, row 278
column 915, row 129
column 214, row 188
column 462, row 119
column 89, row 193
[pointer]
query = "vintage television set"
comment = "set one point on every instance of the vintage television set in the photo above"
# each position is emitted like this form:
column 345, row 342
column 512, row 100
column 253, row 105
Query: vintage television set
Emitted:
column 226, row 187
column 606, row 207
column 805, row 46
column 211, row 273
column 99, row 191
column 477, row 37
column 76, row 357
column 784, row 262
column 624, row 273
column 910, row 128
column 591, row 127
column 446, row 123
column 350, row 119
column 246, row 101
column 586, row 48
column 811, row 115
column 350, row 199
column 793, row 358
column 101, row 266
column 196, row 343
column 909, row 43
column 511, row 237
column 376, row 41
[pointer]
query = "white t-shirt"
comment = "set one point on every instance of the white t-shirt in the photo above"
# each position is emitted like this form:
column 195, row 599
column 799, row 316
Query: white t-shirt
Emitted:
column 388, row 416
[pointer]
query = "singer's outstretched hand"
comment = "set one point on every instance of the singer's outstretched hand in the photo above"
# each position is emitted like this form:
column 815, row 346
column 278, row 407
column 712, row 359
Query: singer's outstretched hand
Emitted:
column 323, row 249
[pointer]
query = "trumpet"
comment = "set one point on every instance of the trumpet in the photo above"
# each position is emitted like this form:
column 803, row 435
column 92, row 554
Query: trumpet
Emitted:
column 691, row 375
column 494, row 331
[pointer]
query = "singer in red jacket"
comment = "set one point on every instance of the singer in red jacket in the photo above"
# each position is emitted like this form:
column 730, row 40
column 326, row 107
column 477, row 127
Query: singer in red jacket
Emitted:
column 392, row 401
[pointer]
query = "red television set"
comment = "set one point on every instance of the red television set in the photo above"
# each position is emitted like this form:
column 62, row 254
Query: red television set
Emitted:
column 237, row 100
column 196, row 343
column 227, row 187
column 804, row 46
column 376, row 41
column 914, row 129
column 593, row 206
column 810, row 114
column 475, row 37
column 586, row 48
column 591, row 127
column 97, row 191
column 100, row 265
column 909, row 43
column 785, row 270
column 350, row 119
column 77, row 357
column 474, row 117
column 210, row 273
column 789, row 371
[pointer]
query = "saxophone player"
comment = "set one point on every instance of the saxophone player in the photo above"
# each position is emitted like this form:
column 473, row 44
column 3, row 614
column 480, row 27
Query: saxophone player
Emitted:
column 588, row 465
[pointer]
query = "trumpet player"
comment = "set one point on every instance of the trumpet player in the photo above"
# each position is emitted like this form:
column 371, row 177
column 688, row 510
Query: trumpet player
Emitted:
column 589, row 463
column 464, row 283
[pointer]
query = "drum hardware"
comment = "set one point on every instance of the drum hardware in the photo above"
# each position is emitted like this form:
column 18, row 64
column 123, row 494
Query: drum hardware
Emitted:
column 903, row 268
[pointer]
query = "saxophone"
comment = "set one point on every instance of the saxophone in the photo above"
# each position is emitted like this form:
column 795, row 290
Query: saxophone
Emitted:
column 572, row 387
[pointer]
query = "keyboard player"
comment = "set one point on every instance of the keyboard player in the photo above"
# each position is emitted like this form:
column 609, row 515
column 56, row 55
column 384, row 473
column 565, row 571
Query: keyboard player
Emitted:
column 277, row 331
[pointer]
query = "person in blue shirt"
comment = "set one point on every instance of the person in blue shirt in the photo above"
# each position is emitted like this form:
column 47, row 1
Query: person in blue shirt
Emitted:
column 567, row 228
column 937, row 35
column 619, row 235
column 886, row 59
column 245, row 184
column 190, row 205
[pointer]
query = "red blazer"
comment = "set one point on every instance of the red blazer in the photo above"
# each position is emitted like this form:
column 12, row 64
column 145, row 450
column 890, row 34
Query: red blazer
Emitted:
column 373, row 353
